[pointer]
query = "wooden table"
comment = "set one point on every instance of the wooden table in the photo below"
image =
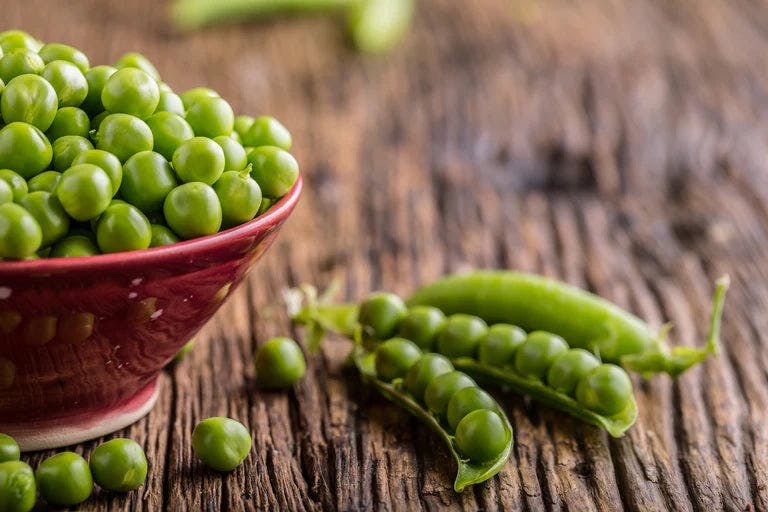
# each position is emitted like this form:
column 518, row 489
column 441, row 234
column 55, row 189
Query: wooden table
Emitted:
column 621, row 146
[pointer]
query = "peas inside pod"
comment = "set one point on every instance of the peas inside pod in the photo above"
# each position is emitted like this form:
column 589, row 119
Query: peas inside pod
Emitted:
column 91, row 135
column 554, row 361
column 469, row 420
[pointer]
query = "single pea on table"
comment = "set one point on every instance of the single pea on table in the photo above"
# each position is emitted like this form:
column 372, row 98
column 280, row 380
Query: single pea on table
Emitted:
column 116, row 148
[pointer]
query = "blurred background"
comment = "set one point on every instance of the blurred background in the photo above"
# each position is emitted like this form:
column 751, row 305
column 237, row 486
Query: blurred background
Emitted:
column 617, row 145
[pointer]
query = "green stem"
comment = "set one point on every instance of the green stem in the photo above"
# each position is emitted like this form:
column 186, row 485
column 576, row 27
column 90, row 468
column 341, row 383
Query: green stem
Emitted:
column 192, row 14
column 676, row 360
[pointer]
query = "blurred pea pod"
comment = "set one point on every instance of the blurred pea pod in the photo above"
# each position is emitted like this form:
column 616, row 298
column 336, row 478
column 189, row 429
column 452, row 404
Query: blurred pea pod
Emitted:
column 374, row 26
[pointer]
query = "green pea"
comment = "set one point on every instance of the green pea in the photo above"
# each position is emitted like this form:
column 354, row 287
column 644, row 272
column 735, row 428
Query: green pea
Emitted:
column 119, row 465
column 147, row 180
column 17, row 487
column 267, row 131
column 235, row 158
column 124, row 135
column 30, row 99
column 424, row 372
column 464, row 402
column 234, row 135
column 64, row 479
column 239, row 195
column 395, row 357
column 266, row 204
column 193, row 210
column 199, row 159
column 131, row 91
column 607, row 390
column 108, row 163
column 73, row 247
column 193, row 95
column 122, row 227
column 49, row 214
column 19, row 61
column 20, row 234
column 161, row 235
column 96, row 77
column 210, row 117
column 279, row 363
column 9, row 449
column 57, row 51
column 499, row 345
column 82, row 230
column 274, row 170
column 85, row 191
column 170, row 102
column 138, row 61
column 6, row 193
column 221, row 443
column 242, row 124
column 536, row 354
column 66, row 148
column 69, row 82
column 25, row 149
column 17, row 183
column 380, row 314
column 421, row 325
column 439, row 392
column 569, row 368
column 481, row 435
column 169, row 132
column 10, row 39
column 461, row 335
column 96, row 123
column 44, row 182
column 69, row 121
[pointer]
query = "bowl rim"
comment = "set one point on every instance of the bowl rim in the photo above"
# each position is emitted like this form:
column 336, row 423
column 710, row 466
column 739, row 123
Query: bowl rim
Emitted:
column 274, row 216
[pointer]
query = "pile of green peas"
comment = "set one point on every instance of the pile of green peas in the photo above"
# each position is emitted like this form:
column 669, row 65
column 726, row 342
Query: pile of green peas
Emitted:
column 605, row 389
column 466, row 411
column 119, row 465
column 107, row 159
column 66, row 479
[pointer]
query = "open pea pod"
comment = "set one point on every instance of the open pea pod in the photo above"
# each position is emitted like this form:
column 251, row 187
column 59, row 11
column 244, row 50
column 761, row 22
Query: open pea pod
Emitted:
column 468, row 473
column 615, row 425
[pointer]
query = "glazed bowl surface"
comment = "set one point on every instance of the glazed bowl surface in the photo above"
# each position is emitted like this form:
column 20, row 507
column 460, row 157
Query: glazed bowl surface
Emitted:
column 83, row 340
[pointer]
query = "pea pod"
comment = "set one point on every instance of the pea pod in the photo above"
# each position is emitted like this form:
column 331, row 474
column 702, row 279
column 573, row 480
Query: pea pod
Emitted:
column 374, row 26
column 584, row 319
column 468, row 473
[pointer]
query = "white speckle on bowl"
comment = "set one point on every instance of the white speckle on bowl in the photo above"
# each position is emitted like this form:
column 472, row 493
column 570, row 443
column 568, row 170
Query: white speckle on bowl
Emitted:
column 5, row 292
column 137, row 281
column 156, row 314
column 133, row 295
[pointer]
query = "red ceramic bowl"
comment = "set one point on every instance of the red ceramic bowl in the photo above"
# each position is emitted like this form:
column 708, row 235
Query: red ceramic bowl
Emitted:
column 83, row 340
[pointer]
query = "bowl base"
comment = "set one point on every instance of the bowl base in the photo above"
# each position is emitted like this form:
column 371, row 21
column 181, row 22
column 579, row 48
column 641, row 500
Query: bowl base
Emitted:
column 76, row 429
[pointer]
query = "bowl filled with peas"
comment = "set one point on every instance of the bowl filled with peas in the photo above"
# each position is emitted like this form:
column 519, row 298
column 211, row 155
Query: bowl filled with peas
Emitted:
column 128, row 214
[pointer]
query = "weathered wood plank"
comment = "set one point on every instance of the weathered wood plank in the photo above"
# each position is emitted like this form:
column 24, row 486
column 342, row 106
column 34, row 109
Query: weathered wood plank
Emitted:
column 617, row 145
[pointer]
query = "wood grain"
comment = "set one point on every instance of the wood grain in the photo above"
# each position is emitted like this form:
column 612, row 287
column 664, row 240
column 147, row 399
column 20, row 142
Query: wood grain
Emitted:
column 618, row 145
